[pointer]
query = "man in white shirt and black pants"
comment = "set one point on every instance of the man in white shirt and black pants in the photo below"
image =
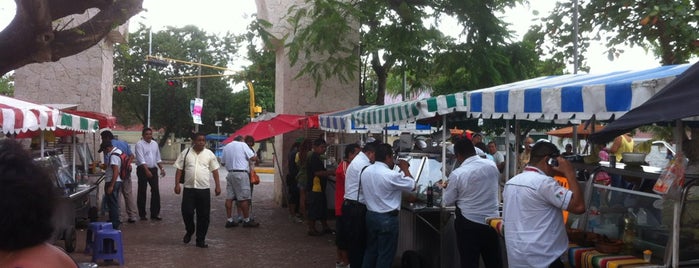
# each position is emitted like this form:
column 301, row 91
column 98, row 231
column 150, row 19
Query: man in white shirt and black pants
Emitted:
column 382, row 187
column 473, row 188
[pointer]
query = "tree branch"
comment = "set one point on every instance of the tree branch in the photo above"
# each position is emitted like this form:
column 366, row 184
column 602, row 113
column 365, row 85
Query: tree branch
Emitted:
column 30, row 39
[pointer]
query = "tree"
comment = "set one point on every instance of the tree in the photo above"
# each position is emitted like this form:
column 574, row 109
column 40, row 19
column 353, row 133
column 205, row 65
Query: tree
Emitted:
column 7, row 86
column 395, row 38
column 39, row 32
column 170, row 104
column 667, row 28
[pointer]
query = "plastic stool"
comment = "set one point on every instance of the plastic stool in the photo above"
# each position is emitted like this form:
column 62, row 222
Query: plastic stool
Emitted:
column 108, row 246
column 92, row 229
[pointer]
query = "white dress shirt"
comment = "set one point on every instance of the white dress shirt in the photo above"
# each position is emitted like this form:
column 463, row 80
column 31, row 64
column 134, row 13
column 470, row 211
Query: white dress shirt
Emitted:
column 199, row 167
column 352, row 177
column 535, row 234
column 382, row 187
column 473, row 187
column 147, row 153
column 236, row 156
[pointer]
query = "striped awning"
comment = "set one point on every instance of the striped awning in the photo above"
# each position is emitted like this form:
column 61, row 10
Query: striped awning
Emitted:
column 18, row 116
column 579, row 96
column 341, row 121
column 78, row 123
column 410, row 111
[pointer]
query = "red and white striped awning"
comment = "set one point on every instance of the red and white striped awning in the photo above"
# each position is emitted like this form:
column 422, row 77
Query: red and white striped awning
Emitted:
column 18, row 116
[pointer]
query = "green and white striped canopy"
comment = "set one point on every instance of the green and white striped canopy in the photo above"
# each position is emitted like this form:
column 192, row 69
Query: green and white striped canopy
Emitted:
column 410, row 111
column 77, row 123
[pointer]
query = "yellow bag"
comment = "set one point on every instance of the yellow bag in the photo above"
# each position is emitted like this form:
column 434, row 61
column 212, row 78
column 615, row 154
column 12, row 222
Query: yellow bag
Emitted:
column 316, row 185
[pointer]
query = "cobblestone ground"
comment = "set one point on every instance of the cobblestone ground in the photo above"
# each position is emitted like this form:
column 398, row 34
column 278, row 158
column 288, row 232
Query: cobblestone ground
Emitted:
column 276, row 243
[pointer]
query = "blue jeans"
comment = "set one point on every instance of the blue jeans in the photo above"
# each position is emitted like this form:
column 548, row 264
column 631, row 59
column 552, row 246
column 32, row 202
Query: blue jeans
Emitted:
column 382, row 240
column 112, row 201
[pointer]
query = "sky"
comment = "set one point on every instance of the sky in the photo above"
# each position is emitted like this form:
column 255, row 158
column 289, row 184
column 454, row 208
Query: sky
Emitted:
column 221, row 16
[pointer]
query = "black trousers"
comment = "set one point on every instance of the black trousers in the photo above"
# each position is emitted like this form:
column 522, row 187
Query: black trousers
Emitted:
column 475, row 240
column 354, row 214
column 196, row 201
column 143, row 183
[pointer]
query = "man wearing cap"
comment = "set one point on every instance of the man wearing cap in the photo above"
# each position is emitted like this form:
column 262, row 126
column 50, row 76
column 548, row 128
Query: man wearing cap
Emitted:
column 535, row 234
column 126, row 190
column 112, row 180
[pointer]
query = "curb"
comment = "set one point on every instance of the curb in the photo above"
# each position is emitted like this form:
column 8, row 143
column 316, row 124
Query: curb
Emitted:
column 265, row 170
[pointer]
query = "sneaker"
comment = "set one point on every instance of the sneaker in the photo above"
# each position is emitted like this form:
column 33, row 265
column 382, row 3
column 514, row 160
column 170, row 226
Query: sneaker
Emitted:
column 251, row 223
column 231, row 224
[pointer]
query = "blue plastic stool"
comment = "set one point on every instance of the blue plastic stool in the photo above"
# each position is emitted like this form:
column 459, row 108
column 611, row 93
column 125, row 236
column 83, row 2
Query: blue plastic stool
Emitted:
column 108, row 246
column 91, row 232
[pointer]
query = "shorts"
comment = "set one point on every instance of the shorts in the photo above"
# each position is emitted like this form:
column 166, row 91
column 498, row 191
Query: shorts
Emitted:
column 317, row 208
column 238, row 186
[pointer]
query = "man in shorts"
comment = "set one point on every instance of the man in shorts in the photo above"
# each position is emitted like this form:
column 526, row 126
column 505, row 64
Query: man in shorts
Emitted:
column 236, row 158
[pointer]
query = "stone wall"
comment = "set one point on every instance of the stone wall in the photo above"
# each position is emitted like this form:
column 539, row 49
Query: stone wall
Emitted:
column 297, row 96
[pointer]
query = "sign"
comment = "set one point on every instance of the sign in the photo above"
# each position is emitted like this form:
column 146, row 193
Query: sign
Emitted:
column 197, row 105
column 218, row 123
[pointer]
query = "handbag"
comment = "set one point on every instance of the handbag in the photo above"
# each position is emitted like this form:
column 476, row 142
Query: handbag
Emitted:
column 254, row 178
column 184, row 166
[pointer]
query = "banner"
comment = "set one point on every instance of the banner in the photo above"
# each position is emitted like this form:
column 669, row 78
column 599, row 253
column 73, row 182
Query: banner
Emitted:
column 196, row 106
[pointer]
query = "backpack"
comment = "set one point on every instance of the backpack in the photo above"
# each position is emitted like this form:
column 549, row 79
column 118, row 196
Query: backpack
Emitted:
column 125, row 167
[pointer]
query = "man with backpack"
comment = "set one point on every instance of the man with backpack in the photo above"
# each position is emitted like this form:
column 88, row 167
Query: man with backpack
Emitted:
column 127, row 189
column 113, row 181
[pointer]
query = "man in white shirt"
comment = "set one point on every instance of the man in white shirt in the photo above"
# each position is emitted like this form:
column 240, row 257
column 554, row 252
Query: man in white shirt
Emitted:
column 353, row 208
column 535, row 234
column 236, row 158
column 473, row 188
column 148, row 162
column 112, row 184
column 382, row 187
column 197, row 163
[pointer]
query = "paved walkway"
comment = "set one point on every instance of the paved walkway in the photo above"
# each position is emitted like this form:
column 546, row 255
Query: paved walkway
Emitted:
column 276, row 243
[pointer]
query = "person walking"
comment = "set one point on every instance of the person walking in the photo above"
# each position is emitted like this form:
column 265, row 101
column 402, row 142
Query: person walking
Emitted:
column 28, row 198
column 236, row 158
column 473, row 189
column 382, row 187
column 126, row 186
column 148, row 162
column 197, row 163
column 354, row 207
column 533, row 200
column 112, row 180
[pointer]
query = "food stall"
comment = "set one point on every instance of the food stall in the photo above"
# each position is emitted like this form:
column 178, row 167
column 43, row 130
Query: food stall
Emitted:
column 21, row 119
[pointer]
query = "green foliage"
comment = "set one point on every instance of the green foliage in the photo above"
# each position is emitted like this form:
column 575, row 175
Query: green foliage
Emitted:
column 668, row 28
column 403, row 36
column 7, row 85
column 170, row 105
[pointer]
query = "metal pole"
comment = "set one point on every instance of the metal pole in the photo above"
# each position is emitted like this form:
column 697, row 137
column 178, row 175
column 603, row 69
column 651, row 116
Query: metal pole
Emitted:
column 575, row 36
column 150, row 51
column 196, row 126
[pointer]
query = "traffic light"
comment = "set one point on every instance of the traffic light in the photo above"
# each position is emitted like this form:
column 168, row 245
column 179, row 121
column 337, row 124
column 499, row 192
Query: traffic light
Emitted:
column 156, row 62
column 120, row 88
column 172, row 82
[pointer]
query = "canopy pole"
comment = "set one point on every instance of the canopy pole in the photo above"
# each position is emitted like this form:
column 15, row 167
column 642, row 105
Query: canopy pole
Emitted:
column 74, row 150
column 518, row 144
column 575, row 138
column 41, row 140
column 285, row 193
column 507, row 150
column 677, row 209
column 444, row 147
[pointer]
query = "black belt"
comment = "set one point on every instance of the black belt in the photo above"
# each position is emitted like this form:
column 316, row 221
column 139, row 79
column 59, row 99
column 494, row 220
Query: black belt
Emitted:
column 238, row 170
column 392, row 213
column 351, row 202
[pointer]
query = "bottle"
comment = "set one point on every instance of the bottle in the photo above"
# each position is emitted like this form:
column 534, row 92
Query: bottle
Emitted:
column 612, row 161
column 429, row 194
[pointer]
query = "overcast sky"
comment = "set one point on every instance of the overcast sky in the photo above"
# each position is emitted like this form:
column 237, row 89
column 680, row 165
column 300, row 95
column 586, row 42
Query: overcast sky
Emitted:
column 220, row 16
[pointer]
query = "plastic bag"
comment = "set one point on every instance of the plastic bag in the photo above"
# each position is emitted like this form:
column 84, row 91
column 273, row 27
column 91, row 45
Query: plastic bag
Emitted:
column 671, row 179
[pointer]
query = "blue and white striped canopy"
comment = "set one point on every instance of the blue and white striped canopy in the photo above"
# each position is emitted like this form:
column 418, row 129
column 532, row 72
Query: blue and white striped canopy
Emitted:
column 580, row 96
column 410, row 111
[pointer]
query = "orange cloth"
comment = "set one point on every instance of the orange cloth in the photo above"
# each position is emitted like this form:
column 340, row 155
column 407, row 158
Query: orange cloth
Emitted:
column 563, row 182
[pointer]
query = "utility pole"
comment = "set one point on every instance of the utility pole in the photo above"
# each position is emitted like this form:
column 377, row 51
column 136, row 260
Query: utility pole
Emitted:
column 150, row 50
column 196, row 126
